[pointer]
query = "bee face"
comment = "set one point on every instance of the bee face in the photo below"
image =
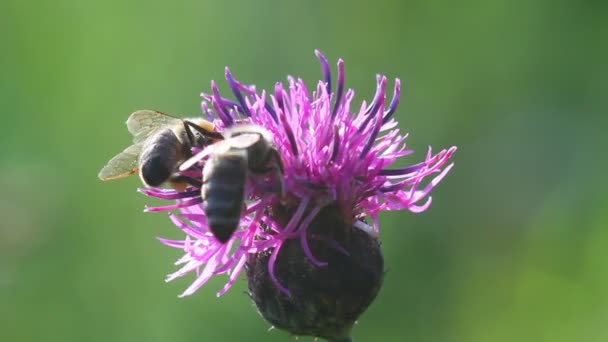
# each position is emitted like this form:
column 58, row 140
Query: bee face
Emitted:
column 160, row 143
column 246, row 150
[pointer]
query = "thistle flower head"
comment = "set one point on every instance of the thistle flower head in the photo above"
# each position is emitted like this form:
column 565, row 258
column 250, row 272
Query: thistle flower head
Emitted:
column 313, row 246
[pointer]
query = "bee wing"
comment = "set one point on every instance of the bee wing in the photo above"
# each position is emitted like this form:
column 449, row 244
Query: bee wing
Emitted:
column 143, row 123
column 122, row 165
column 239, row 142
column 244, row 141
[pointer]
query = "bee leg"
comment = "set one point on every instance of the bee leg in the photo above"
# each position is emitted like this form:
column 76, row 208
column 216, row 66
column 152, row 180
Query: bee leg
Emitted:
column 180, row 179
column 278, row 172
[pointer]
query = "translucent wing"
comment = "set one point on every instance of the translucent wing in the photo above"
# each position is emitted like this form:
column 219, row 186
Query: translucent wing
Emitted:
column 122, row 165
column 144, row 123
column 242, row 141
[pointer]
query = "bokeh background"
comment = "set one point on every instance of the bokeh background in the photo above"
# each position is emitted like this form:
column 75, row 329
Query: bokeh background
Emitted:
column 514, row 247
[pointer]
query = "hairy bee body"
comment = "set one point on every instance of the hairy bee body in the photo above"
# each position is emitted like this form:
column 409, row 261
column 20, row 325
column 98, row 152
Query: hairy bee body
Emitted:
column 246, row 149
column 160, row 143
column 160, row 156
column 223, row 192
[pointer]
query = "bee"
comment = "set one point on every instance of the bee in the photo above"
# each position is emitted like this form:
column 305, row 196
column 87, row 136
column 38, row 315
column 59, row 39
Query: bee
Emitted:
column 160, row 143
column 247, row 150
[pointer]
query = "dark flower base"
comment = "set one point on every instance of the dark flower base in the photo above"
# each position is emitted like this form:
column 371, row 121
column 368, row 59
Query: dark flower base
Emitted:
column 326, row 300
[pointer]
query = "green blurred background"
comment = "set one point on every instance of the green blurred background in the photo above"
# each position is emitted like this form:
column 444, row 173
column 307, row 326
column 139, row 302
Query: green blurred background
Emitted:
column 514, row 247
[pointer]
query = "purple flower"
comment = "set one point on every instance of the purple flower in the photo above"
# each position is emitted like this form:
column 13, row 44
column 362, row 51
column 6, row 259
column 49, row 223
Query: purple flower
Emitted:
column 337, row 159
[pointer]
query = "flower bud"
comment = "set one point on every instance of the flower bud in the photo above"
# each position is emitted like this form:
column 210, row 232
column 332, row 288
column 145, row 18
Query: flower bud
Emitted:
column 325, row 301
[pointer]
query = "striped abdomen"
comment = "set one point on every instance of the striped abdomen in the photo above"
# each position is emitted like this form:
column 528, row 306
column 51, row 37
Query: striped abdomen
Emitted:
column 223, row 192
column 159, row 157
